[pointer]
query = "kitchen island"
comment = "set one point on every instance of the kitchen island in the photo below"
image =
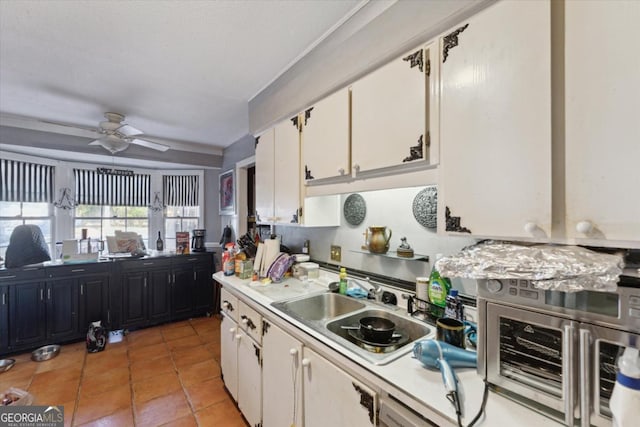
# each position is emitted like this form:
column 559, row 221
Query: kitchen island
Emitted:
column 401, row 389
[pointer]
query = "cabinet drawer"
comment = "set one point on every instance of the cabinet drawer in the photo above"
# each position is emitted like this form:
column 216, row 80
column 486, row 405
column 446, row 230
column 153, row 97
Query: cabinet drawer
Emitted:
column 193, row 259
column 21, row 273
column 77, row 270
column 143, row 264
column 229, row 304
column 251, row 322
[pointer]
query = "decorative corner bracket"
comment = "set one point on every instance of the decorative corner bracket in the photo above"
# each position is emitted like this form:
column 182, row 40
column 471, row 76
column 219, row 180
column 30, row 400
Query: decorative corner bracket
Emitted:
column 366, row 400
column 257, row 141
column 428, row 68
column 415, row 152
column 307, row 173
column 307, row 115
column 451, row 41
column 453, row 222
column 415, row 59
column 296, row 122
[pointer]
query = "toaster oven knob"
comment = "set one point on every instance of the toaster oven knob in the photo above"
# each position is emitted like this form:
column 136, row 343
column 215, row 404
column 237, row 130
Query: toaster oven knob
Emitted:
column 494, row 286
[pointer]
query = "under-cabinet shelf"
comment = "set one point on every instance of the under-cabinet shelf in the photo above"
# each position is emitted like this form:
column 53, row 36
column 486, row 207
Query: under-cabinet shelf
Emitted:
column 394, row 255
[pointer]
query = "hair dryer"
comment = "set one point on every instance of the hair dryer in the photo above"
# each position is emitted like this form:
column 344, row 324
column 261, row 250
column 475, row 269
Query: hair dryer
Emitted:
column 435, row 354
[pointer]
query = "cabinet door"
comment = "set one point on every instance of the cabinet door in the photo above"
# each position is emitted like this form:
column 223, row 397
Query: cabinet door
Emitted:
column 204, row 287
column 325, row 138
column 326, row 386
column 62, row 309
column 134, row 298
column 602, row 98
column 388, row 114
column 159, row 295
column 4, row 318
column 27, row 315
column 229, row 334
column 496, row 122
column 281, row 378
column 264, row 176
column 249, row 379
column 94, row 297
column 286, row 172
column 183, row 291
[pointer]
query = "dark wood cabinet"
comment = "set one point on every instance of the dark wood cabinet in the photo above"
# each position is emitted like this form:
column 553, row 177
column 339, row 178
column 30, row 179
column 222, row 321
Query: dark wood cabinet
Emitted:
column 61, row 300
column 53, row 304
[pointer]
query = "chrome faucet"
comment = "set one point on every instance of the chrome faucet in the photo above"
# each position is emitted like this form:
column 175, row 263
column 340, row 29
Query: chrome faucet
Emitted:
column 374, row 290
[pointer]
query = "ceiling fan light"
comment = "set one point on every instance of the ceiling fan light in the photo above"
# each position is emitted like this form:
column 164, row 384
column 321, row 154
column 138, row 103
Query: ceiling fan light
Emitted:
column 113, row 143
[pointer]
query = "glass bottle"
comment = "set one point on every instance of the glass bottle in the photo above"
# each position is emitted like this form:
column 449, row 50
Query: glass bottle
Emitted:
column 159, row 243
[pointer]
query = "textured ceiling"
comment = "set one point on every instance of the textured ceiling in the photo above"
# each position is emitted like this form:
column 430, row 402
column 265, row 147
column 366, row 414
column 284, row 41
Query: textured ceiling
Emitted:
column 179, row 70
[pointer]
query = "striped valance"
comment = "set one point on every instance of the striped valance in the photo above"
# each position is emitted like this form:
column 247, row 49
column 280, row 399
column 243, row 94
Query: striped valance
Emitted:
column 181, row 190
column 93, row 188
column 25, row 182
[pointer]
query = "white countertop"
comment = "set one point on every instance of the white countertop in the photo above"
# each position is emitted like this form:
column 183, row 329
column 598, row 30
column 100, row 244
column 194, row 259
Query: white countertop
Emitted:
column 404, row 377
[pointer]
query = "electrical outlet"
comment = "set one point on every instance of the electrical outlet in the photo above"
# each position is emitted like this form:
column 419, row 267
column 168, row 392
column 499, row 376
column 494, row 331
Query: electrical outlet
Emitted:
column 336, row 253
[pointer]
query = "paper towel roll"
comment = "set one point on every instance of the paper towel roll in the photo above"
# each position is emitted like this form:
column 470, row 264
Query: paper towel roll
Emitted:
column 271, row 252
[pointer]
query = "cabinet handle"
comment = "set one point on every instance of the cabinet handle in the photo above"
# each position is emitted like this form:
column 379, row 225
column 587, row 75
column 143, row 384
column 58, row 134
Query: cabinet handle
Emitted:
column 192, row 259
column 530, row 227
column 567, row 374
column 356, row 167
column 341, row 171
column 194, row 276
column 49, row 293
column 232, row 330
column 147, row 263
column 4, row 299
column 145, row 282
column 227, row 305
column 293, row 352
column 81, row 289
column 41, row 294
column 77, row 270
column 7, row 277
column 238, row 336
column 585, row 378
column 306, row 363
column 584, row 227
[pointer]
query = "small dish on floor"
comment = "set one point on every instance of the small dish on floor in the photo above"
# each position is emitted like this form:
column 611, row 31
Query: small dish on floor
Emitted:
column 6, row 364
column 45, row 353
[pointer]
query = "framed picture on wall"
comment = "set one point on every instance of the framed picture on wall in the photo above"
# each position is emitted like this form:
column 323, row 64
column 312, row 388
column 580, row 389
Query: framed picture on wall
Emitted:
column 227, row 190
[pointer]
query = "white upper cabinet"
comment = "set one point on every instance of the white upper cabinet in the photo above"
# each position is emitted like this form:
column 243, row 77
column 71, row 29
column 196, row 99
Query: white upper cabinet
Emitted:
column 325, row 138
column 602, row 108
column 389, row 114
column 287, row 172
column 495, row 112
column 265, row 157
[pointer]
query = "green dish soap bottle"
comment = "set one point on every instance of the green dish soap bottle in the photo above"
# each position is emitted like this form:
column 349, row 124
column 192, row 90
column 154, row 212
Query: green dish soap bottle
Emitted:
column 439, row 287
column 343, row 281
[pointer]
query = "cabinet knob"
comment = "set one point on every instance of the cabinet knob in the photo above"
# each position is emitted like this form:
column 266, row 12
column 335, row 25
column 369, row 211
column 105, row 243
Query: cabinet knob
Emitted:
column 232, row 330
column 238, row 336
column 293, row 351
column 530, row 227
column 225, row 304
column 306, row 362
column 245, row 321
column 584, row 227
column 356, row 167
column 341, row 171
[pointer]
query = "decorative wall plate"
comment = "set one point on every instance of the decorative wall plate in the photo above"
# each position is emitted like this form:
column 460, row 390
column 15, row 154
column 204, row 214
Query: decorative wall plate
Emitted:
column 354, row 209
column 425, row 207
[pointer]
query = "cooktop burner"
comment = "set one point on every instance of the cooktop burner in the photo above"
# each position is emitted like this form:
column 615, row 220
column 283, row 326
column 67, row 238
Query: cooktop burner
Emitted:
column 374, row 347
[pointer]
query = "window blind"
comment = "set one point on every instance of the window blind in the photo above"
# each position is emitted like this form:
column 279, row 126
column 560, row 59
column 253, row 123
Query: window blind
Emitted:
column 181, row 190
column 25, row 182
column 93, row 188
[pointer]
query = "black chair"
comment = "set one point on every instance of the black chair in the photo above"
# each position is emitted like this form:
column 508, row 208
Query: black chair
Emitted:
column 26, row 246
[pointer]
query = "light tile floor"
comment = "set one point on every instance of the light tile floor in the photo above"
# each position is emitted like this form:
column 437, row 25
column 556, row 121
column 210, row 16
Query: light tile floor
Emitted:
column 164, row 375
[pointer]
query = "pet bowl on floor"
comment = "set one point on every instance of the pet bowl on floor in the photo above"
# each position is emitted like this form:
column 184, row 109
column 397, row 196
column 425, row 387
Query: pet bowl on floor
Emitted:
column 45, row 353
column 6, row 364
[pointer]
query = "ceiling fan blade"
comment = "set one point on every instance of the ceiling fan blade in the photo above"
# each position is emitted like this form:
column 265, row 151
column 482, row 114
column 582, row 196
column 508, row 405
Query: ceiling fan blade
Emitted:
column 149, row 144
column 128, row 130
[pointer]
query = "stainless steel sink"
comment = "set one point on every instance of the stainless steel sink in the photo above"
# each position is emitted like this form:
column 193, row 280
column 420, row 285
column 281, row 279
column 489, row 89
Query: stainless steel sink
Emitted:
column 320, row 307
column 327, row 313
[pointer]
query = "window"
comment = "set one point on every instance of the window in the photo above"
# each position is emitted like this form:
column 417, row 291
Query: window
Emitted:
column 182, row 213
column 179, row 218
column 103, row 221
column 13, row 214
column 26, row 193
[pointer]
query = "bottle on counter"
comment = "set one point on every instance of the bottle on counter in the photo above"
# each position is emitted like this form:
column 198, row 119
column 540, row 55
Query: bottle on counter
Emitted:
column 438, row 286
column 343, row 281
column 454, row 308
column 159, row 243
column 625, row 398
column 229, row 262
column 305, row 247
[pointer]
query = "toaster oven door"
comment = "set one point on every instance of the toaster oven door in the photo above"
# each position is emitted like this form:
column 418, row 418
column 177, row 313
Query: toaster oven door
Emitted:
column 533, row 356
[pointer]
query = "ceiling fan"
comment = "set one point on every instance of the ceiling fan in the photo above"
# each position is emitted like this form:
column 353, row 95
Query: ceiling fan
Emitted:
column 117, row 135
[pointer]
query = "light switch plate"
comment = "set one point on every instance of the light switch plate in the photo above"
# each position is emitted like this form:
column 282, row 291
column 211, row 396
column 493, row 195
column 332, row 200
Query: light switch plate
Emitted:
column 336, row 253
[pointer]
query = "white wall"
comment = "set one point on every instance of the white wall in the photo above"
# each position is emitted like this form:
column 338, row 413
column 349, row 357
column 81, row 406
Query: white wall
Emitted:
column 390, row 208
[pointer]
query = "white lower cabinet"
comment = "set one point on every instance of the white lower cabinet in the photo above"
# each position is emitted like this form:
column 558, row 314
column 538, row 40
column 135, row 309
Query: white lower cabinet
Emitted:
column 229, row 354
column 334, row 398
column 249, row 379
column 281, row 378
